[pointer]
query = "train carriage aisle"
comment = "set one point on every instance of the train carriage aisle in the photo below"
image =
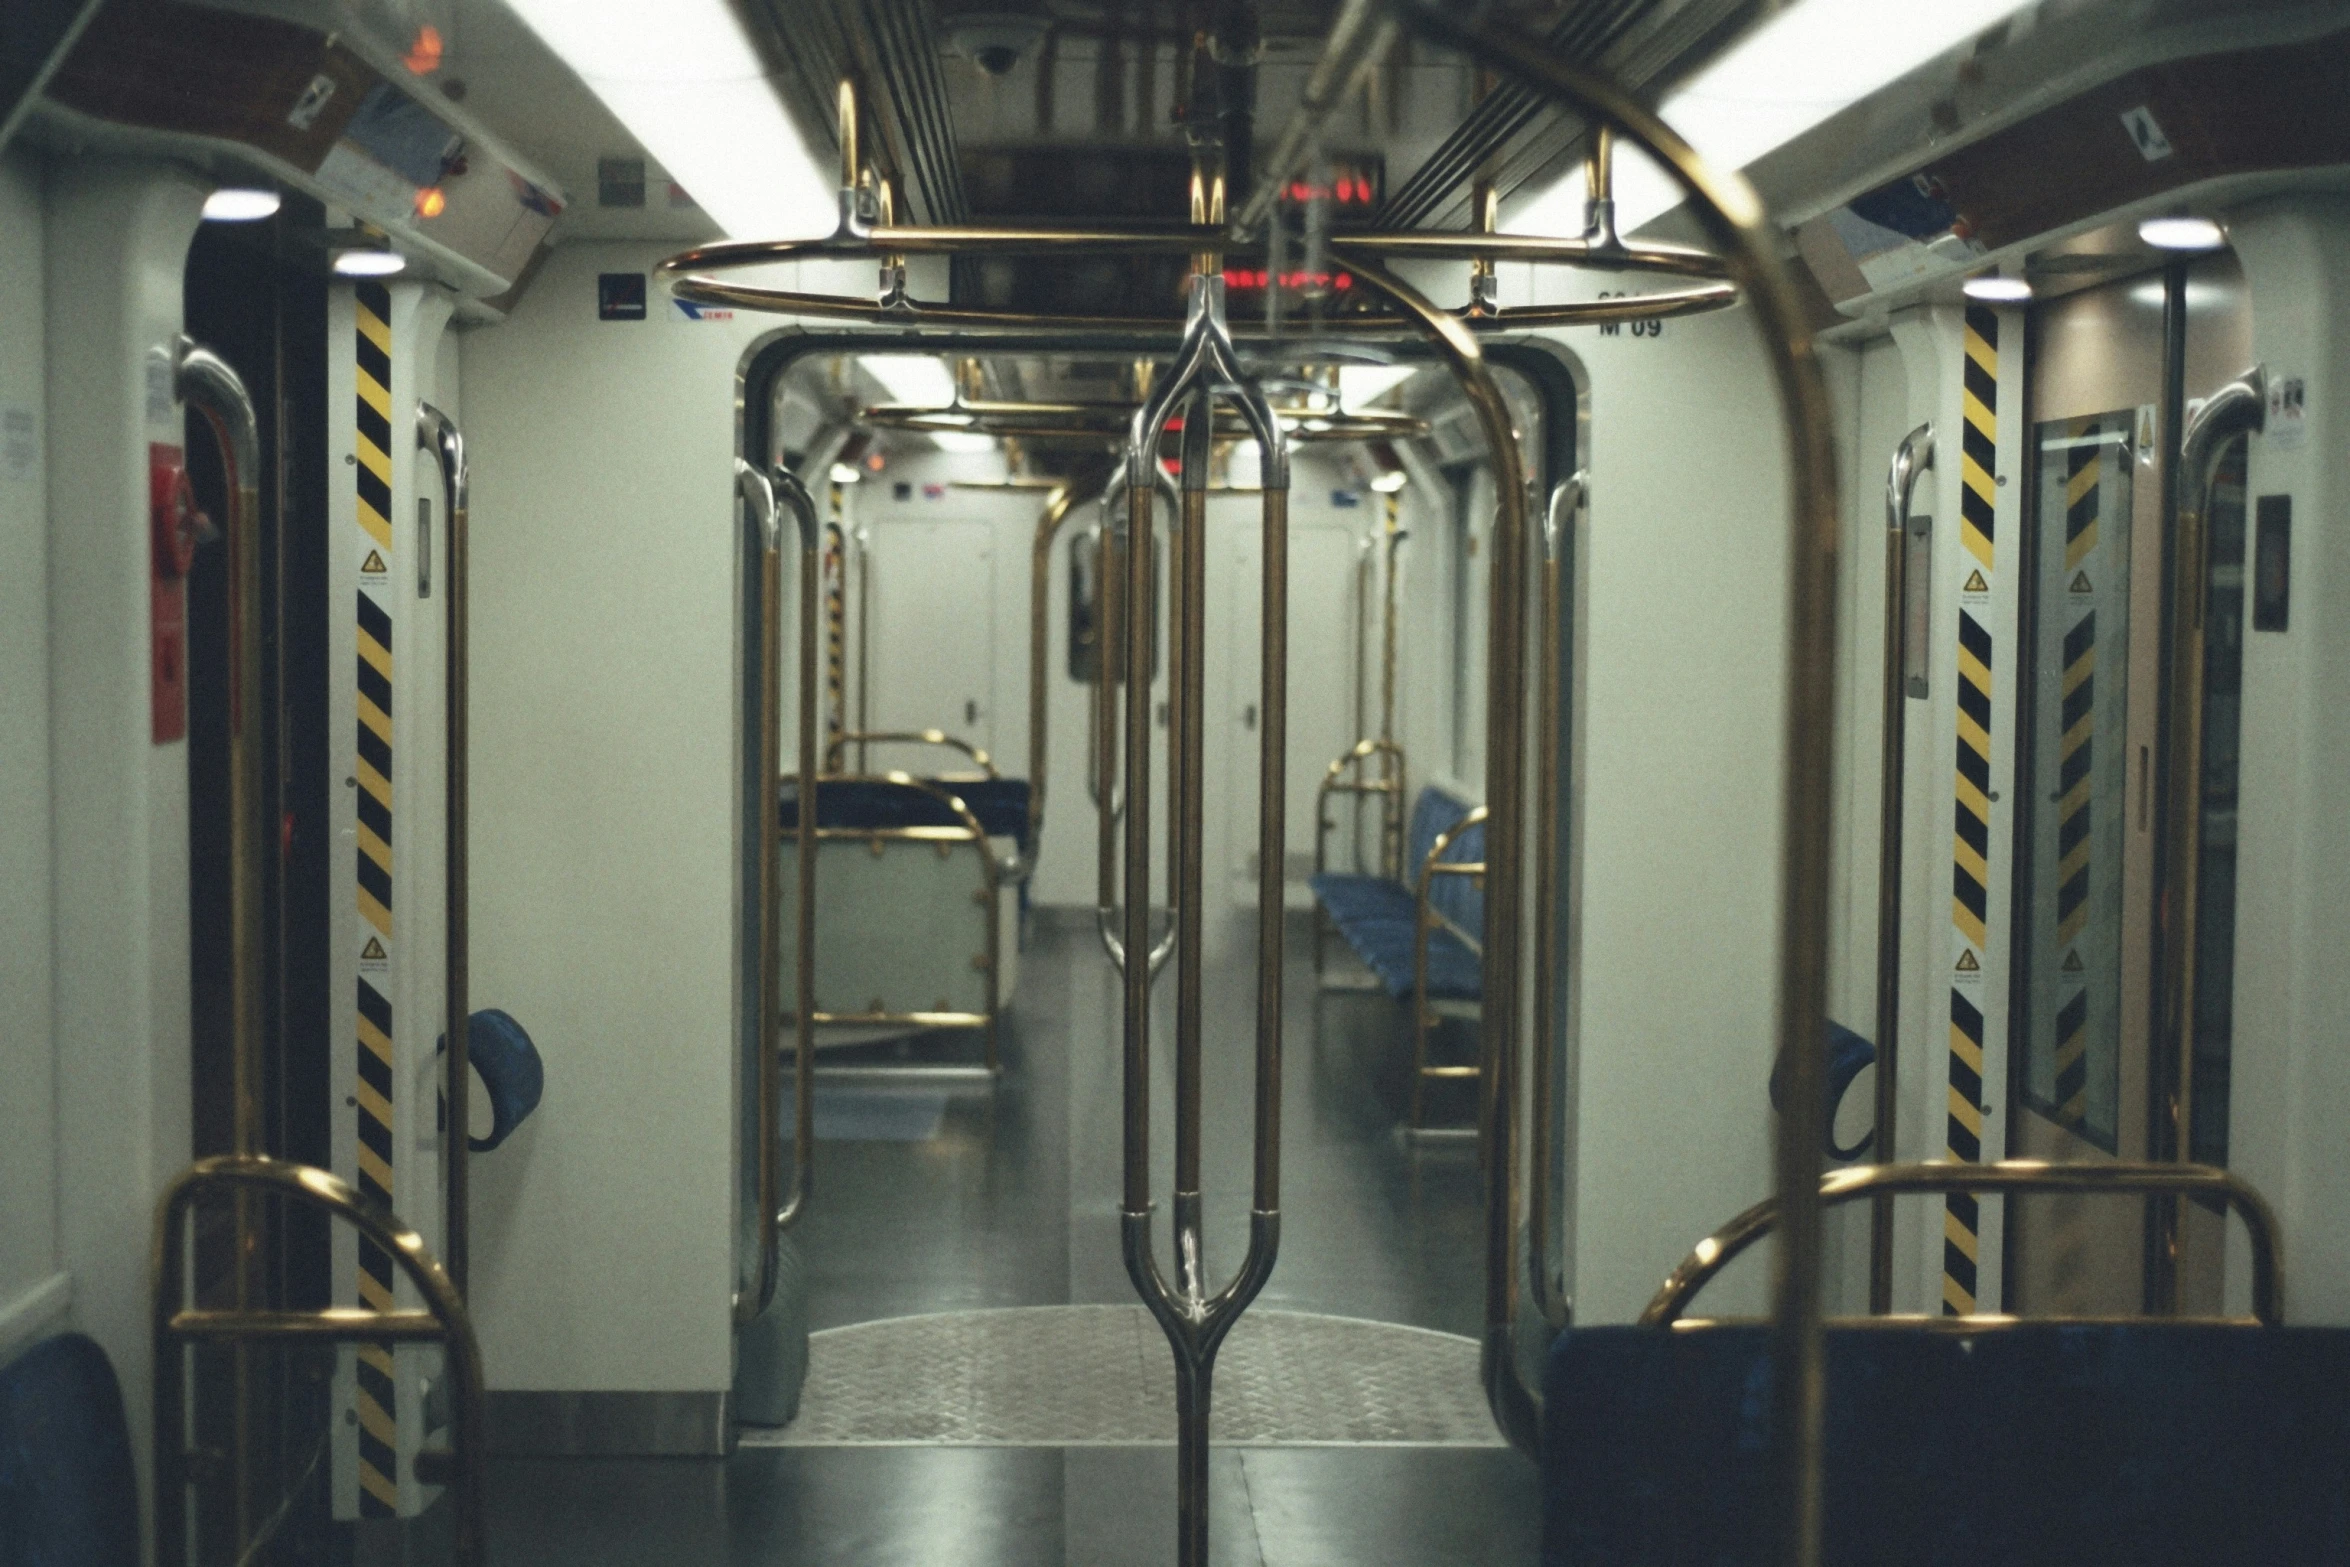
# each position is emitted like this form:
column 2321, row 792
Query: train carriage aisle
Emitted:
column 1275, row 783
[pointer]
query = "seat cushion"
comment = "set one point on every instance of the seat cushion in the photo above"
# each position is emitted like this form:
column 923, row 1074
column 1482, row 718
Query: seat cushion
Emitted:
column 68, row 1495
column 1001, row 804
column 2054, row 1443
column 1454, row 974
column 1353, row 900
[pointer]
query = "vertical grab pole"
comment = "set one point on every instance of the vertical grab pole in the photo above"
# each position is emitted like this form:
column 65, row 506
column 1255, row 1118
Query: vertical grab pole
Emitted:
column 438, row 434
column 794, row 495
column 1558, row 524
column 2239, row 406
column 1734, row 217
column 1106, row 799
column 1912, row 457
column 1393, row 803
column 757, row 492
column 209, row 385
column 1194, row 1320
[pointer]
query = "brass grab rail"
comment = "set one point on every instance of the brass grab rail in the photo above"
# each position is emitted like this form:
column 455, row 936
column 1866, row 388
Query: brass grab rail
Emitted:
column 1558, row 542
column 444, row 1318
column 1108, row 805
column 1912, row 457
column 968, row 829
column 1391, row 786
column 211, row 387
column 871, row 737
column 1735, row 219
column 2012, row 1176
column 438, row 434
column 765, row 493
column 690, row 275
column 2239, row 406
column 1105, row 422
column 1194, row 1316
column 1426, row 919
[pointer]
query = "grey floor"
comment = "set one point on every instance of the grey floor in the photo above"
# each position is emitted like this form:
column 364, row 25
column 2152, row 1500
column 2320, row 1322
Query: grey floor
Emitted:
column 1014, row 1203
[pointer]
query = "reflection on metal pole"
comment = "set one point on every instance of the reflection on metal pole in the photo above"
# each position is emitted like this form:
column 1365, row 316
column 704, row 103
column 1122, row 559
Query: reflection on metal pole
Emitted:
column 1194, row 1319
column 437, row 433
column 1734, row 218
column 1911, row 458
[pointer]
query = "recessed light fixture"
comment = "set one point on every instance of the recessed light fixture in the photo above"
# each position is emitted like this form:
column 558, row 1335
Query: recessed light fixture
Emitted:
column 369, row 263
column 842, row 473
column 2179, row 232
column 240, row 204
column 1996, row 290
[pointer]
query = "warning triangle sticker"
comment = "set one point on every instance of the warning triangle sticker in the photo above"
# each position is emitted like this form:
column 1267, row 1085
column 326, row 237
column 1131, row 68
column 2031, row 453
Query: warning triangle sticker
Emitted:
column 373, row 952
column 2072, row 962
column 1975, row 583
column 374, row 564
column 2081, row 583
column 1967, row 963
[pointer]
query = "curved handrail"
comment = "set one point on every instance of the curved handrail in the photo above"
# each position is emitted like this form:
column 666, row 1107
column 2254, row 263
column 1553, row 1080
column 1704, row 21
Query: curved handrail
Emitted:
column 870, row 737
column 766, row 493
column 2239, row 406
column 1102, row 783
column 438, row 434
column 992, row 875
column 1335, row 781
column 1207, row 240
column 1734, row 218
column 1911, row 458
column 1719, row 1249
column 1558, row 520
column 444, row 1318
column 211, row 387
column 1425, row 919
column 1194, row 1317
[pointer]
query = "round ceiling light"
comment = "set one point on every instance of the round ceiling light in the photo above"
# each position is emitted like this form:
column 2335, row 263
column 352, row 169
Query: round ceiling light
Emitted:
column 369, row 263
column 2179, row 232
column 240, row 204
column 1997, row 290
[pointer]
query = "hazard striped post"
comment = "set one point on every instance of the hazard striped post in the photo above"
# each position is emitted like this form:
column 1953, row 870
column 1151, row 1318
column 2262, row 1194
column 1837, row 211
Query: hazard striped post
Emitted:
column 2075, row 780
column 1971, row 837
column 377, row 1402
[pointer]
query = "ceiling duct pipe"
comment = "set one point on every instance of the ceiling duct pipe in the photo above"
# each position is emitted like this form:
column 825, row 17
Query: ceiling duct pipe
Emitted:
column 1359, row 40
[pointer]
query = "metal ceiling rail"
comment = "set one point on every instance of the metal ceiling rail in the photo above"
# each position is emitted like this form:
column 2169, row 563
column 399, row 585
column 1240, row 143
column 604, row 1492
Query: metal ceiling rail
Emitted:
column 693, row 275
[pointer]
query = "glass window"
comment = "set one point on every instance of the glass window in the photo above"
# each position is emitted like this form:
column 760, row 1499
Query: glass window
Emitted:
column 2070, row 964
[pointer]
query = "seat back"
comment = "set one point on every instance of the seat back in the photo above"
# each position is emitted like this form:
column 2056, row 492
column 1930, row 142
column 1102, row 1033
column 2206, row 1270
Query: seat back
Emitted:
column 68, row 1494
column 2055, row 1442
column 1460, row 899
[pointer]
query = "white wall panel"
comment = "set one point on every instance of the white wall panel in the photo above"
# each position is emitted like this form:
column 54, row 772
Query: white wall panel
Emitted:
column 114, row 258
column 1680, row 699
column 2291, row 1074
column 604, row 797
column 28, row 1145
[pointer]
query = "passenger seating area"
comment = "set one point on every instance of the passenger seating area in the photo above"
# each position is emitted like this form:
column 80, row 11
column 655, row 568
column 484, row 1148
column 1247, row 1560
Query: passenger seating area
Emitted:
column 1378, row 916
column 69, row 1496
column 1423, row 940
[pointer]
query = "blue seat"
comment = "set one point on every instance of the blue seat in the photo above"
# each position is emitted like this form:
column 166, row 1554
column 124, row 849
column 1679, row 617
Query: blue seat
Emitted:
column 1849, row 1055
column 68, row 1494
column 1376, row 915
column 2049, row 1443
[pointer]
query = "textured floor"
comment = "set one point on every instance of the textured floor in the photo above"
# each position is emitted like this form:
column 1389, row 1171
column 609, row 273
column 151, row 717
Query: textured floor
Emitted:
column 1012, row 1203
column 1097, row 1376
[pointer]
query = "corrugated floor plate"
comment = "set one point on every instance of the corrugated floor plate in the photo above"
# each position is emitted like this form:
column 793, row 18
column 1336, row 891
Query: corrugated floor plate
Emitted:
column 1100, row 1376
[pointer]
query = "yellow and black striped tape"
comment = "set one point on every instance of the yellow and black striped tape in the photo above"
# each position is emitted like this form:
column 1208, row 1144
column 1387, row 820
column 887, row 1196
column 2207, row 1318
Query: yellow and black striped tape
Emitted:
column 1970, row 903
column 377, row 1401
column 2076, row 752
column 1979, row 441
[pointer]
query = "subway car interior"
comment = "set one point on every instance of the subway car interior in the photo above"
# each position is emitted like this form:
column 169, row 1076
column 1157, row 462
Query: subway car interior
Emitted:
column 1286, row 783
